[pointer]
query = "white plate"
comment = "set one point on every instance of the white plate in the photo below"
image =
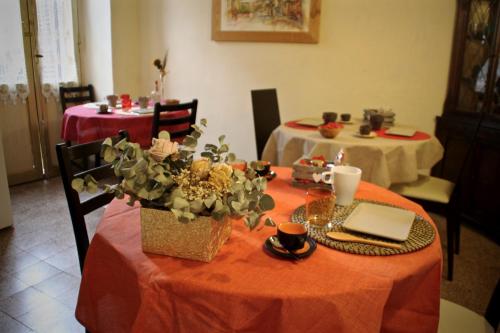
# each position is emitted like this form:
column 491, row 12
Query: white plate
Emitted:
column 143, row 111
column 313, row 122
column 366, row 136
column 383, row 221
column 401, row 131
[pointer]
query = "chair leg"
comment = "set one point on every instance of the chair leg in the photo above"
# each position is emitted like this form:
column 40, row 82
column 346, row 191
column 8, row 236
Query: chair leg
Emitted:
column 457, row 236
column 451, row 229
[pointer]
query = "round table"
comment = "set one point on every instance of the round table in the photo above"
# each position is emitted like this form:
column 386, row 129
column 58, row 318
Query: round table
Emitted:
column 82, row 124
column 246, row 289
column 384, row 161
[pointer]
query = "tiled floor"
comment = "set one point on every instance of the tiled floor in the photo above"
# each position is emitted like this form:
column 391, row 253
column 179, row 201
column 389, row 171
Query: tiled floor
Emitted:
column 39, row 271
column 40, row 275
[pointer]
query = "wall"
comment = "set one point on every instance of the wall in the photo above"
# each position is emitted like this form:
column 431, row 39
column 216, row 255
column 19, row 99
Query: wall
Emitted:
column 385, row 53
column 94, row 24
column 125, row 36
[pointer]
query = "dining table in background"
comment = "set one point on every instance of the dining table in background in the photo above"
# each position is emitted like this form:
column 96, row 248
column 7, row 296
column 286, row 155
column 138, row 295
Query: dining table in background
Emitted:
column 385, row 159
column 247, row 289
column 82, row 124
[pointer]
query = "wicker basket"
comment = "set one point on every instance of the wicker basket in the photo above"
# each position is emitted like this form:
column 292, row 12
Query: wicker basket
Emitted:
column 329, row 133
column 199, row 239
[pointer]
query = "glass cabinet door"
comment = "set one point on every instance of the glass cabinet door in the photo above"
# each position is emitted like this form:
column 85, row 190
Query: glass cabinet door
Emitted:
column 478, row 48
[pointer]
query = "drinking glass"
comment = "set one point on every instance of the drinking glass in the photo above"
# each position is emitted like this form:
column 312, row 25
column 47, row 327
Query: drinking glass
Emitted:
column 320, row 206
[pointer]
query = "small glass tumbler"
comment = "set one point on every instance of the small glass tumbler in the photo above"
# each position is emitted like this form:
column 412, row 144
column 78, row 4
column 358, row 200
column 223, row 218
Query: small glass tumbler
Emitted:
column 320, row 206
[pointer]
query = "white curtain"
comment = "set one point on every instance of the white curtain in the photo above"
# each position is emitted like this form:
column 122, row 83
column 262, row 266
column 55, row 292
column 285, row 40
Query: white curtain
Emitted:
column 13, row 81
column 56, row 45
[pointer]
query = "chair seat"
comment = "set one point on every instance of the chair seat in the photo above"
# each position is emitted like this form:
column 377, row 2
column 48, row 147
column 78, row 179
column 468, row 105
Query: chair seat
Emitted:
column 426, row 188
column 455, row 318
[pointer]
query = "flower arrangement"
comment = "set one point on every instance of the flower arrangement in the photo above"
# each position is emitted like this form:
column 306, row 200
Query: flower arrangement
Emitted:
column 168, row 177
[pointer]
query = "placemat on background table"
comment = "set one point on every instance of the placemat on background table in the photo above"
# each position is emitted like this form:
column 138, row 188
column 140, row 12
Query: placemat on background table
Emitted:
column 417, row 136
column 421, row 234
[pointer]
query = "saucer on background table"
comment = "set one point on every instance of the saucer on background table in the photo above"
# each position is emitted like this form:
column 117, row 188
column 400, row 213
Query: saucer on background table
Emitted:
column 306, row 251
column 349, row 122
column 366, row 136
column 107, row 112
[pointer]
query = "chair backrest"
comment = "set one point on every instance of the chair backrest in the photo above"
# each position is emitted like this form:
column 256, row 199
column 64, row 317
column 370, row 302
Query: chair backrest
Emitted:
column 66, row 156
column 76, row 95
column 266, row 116
column 159, row 121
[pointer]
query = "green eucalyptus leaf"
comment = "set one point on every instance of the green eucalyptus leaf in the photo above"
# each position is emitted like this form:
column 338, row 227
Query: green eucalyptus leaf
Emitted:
column 190, row 141
column 107, row 142
column 223, row 149
column 203, row 122
column 78, row 184
column 109, row 154
column 236, row 205
column 164, row 135
column 210, row 200
column 269, row 222
column 196, row 206
column 266, row 202
column 231, row 157
column 221, row 139
column 180, row 203
column 218, row 206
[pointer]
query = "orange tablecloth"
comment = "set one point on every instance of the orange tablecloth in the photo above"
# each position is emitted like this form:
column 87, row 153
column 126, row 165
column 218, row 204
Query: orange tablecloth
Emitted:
column 246, row 290
column 81, row 124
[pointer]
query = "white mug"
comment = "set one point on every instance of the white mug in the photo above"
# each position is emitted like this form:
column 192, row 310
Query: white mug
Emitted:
column 345, row 181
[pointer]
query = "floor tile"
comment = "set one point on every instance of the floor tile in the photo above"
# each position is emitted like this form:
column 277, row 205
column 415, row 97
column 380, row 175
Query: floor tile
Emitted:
column 74, row 270
column 64, row 259
column 58, row 284
column 10, row 285
column 10, row 325
column 12, row 263
column 69, row 298
column 67, row 324
column 42, row 318
column 36, row 273
column 23, row 302
column 48, row 248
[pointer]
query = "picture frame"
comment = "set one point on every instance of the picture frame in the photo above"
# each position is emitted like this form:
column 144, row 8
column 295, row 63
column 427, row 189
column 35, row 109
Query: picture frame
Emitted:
column 291, row 21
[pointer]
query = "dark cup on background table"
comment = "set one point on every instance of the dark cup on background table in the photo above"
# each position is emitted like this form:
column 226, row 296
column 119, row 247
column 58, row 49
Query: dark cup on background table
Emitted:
column 103, row 108
column 376, row 121
column 262, row 168
column 329, row 117
column 365, row 129
column 292, row 236
column 345, row 117
column 112, row 99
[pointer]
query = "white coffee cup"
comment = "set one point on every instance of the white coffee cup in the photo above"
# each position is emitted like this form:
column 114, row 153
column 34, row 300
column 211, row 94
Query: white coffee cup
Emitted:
column 345, row 180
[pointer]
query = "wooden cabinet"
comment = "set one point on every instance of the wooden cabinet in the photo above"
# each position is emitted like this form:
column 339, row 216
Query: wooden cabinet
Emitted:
column 473, row 99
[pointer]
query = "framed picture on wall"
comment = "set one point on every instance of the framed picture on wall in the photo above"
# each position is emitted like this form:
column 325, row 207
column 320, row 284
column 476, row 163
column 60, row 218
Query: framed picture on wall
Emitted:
column 290, row 21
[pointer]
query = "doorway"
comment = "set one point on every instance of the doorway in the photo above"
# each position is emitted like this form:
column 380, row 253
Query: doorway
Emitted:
column 40, row 54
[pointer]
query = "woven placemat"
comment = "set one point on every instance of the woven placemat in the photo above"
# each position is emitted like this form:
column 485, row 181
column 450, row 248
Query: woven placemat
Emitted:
column 421, row 234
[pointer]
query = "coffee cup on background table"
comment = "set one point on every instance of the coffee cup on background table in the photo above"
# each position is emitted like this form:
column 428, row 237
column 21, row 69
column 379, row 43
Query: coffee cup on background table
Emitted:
column 329, row 117
column 345, row 180
column 365, row 129
column 143, row 102
column 376, row 121
column 112, row 99
column 345, row 117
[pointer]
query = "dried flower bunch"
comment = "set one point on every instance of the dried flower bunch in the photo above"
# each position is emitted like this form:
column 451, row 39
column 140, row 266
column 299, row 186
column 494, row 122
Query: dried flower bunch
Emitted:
column 161, row 65
column 168, row 177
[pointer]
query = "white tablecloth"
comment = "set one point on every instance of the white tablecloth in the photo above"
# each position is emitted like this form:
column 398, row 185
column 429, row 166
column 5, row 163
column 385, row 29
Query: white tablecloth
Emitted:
column 384, row 161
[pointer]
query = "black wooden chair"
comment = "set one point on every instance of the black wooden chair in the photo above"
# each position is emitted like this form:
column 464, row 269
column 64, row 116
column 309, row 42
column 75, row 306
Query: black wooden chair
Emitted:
column 100, row 171
column 266, row 116
column 444, row 196
column 71, row 96
column 159, row 122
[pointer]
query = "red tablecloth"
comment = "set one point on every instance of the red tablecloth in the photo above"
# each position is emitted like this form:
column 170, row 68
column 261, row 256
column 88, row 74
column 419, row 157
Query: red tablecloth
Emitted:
column 245, row 289
column 82, row 124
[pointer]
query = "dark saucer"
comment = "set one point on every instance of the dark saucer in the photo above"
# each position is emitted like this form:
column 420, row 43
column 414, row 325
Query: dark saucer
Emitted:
column 270, row 176
column 305, row 252
column 107, row 112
